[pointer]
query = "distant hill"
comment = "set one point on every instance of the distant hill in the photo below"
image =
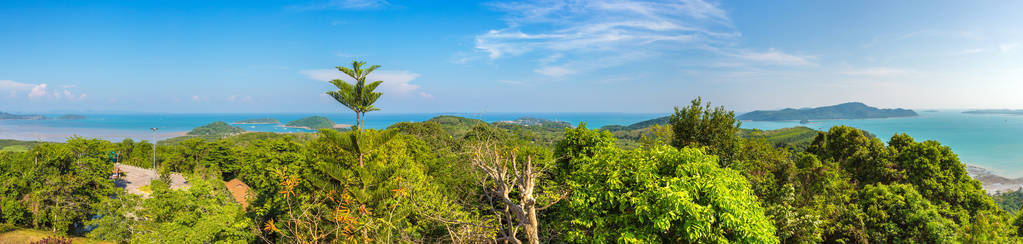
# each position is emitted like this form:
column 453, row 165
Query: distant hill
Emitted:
column 853, row 110
column 218, row 128
column 798, row 137
column 258, row 121
column 312, row 123
column 638, row 125
column 72, row 117
column 4, row 115
column 996, row 111
column 454, row 125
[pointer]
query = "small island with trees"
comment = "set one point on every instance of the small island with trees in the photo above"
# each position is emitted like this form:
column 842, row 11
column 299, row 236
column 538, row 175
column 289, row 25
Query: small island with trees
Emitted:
column 852, row 110
column 313, row 123
column 5, row 115
column 72, row 117
column 218, row 128
column 260, row 121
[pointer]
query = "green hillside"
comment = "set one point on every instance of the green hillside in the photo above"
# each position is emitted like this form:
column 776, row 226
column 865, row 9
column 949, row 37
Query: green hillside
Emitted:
column 218, row 128
column 313, row 123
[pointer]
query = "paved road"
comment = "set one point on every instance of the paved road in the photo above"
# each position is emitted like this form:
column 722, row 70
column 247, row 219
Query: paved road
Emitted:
column 135, row 178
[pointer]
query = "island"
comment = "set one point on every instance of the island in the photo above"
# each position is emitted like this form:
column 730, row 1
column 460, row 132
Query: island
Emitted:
column 11, row 116
column 852, row 110
column 315, row 123
column 532, row 121
column 260, row 121
column 72, row 117
column 996, row 111
column 218, row 128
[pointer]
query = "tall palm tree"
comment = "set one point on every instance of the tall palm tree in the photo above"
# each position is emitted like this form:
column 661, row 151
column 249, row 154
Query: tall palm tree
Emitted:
column 359, row 97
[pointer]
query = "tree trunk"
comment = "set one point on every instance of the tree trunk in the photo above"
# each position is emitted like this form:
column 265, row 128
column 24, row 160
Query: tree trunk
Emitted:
column 358, row 121
column 531, row 226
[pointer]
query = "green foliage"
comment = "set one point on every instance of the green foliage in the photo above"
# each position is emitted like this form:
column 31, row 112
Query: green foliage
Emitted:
column 795, row 138
column 897, row 213
column 1009, row 201
column 16, row 145
column 312, row 122
column 54, row 186
column 714, row 128
column 455, row 126
column 662, row 195
column 215, row 129
column 205, row 213
column 360, row 96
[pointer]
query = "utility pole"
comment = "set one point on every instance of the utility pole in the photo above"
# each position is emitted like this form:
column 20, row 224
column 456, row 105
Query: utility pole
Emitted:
column 154, row 148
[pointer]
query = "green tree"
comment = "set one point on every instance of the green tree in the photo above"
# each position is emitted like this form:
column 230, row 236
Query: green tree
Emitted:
column 703, row 126
column 360, row 96
column 897, row 213
column 204, row 213
column 663, row 195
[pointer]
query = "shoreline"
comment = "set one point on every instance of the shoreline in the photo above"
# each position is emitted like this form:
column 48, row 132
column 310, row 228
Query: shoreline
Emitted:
column 336, row 126
column 992, row 183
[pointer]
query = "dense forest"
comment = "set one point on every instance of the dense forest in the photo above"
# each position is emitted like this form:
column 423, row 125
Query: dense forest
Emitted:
column 695, row 178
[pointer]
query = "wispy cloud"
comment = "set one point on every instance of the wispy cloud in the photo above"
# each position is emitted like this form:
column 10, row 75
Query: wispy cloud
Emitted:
column 10, row 85
column 555, row 71
column 775, row 57
column 602, row 25
column 341, row 4
column 395, row 82
column 878, row 72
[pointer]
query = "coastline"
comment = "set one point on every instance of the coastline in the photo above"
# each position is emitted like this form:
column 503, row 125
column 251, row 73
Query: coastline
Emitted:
column 336, row 126
column 992, row 183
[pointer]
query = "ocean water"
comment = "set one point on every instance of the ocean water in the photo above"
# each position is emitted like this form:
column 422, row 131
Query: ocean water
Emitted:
column 994, row 142
column 116, row 127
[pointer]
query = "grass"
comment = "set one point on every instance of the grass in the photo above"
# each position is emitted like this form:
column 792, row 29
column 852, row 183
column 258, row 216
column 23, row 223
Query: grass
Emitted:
column 15, row 148
column 19, row 236
column 146, row 189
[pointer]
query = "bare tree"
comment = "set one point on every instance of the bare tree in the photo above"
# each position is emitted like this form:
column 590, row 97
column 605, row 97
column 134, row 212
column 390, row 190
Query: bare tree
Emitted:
column 503, row 174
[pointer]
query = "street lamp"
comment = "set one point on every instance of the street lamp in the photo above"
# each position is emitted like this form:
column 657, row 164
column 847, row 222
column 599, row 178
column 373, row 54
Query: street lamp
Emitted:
column 154, row 148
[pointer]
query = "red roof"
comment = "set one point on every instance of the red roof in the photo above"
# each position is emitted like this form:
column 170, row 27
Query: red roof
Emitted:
column 240, row 191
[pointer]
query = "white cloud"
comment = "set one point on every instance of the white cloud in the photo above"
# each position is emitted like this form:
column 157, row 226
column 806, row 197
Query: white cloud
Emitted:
column 584, row 31
column 425, row 95
column 772, row 56
column 395, row 82
column 513, row 82
column 555, row 71
column 10, row 85
column 38, row 91
column 603, row 25
column 878, row 71
column 1008, row 47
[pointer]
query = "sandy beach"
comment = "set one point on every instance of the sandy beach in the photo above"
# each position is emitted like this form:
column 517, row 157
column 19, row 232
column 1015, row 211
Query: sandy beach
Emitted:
column 993, row 183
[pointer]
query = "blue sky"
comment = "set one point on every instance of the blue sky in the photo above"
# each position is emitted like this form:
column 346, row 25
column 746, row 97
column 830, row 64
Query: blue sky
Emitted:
column 508, row 56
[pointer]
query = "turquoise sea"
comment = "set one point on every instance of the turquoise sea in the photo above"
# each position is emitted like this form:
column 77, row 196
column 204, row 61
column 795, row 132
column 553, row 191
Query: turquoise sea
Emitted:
column 994, row 142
